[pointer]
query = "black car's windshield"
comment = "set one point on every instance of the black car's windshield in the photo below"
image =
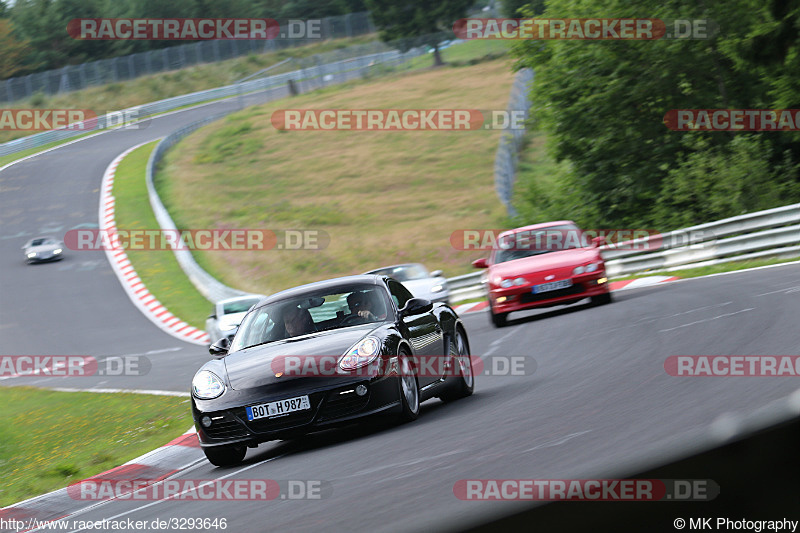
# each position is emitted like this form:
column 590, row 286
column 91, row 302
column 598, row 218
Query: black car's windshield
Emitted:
column 322, row 310
column 528, row 243
column 404, row 272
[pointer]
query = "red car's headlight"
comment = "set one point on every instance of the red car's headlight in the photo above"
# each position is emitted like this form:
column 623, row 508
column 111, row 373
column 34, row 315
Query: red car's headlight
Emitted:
column 512, row 282
column 591, row 267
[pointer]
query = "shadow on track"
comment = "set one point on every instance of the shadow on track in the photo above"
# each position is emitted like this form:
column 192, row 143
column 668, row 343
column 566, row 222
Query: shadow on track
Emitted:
column 431, row 412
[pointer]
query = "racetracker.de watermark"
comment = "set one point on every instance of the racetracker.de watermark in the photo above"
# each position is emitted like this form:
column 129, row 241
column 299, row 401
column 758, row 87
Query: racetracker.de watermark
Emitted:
column 100, row 489
column 733, row 119
column 47, row 119
column 733, row 365
column 583, row 29
column 69, row 119
column 196, row 239
column 14, row 366
column 607, row 490
column 564, row 239
column 397, row 119
column 425, row 366
column 192, row 29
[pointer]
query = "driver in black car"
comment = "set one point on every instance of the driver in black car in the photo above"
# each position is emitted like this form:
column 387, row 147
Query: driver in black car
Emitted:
column 363, row 305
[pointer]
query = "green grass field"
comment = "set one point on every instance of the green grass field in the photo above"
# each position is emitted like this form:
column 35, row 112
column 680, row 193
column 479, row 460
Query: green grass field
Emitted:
column 382, row 197
column 51, row 439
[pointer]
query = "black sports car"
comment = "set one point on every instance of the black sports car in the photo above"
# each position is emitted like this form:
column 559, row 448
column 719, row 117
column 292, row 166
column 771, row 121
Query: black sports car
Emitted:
column 326, row 353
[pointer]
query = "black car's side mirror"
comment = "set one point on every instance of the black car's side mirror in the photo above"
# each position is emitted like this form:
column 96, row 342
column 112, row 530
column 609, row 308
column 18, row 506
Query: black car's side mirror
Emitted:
column 220, row 348
column 416, row 306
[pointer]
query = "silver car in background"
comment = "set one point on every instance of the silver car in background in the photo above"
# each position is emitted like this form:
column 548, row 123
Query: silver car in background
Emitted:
column 416, row 278
column 224, row 320
column 43, row 249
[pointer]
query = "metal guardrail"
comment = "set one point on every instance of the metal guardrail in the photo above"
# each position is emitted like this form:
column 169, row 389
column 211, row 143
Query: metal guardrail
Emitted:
column 771, row 233
column 208, row 286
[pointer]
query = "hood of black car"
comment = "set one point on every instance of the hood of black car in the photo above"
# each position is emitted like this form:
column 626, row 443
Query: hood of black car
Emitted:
column 253, row 367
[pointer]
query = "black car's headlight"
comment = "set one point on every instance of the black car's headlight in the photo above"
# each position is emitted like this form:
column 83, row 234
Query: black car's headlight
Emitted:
column 206, row 385
column 361, row 354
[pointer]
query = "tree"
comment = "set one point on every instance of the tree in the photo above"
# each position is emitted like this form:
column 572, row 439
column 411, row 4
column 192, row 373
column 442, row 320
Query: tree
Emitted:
column 12, row 60
column 511, row 8
column 417, row 22
column 602, row 103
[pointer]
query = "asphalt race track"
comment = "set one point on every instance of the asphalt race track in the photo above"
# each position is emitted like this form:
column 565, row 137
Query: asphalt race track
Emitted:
column 599, row 404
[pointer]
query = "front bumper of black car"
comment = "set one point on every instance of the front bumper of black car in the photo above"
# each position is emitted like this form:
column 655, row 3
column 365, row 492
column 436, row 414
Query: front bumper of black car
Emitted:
column 333, row 401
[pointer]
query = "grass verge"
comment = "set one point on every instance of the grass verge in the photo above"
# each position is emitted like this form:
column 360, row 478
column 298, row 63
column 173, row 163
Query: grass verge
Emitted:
column 382, row 197
column 51, row 439
column 158, row 269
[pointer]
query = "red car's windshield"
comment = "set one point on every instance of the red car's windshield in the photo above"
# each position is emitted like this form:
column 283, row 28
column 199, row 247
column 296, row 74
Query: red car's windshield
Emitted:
column 527, row 243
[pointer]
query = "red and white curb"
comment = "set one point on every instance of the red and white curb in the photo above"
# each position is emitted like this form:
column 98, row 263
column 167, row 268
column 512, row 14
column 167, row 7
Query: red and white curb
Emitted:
column 152, row 467
column 133, row 285
column 614, row 286
column 641, row 282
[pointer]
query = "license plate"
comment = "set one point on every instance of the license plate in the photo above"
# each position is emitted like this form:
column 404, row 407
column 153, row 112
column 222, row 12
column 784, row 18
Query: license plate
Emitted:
column 552, row 286
column 281, row 407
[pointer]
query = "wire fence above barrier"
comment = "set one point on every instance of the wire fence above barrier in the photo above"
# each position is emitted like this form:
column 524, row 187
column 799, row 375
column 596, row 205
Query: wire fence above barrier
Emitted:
column 507, row 157
column 76, row 77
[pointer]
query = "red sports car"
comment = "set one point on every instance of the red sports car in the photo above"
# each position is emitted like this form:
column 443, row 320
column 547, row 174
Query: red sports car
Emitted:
column 542, row 265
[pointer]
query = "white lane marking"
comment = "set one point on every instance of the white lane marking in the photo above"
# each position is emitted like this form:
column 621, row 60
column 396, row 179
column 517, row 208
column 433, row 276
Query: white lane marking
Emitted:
column 735, row 271
column 151, row 352
column 558, row 442
column 182, row 470
column 123, row 391
column 787, row 290
column 646, row 320
column 706, row 320
column 108, row 130
column 132, row 461
column 496, row 344
column 404, row 464
column 84, row 362
column 172, row 498
column 44, row 371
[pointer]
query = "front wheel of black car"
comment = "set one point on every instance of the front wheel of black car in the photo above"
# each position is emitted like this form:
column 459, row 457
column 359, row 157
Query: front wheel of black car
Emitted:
column 409, row 389
column 465, row 380
column 225, row 455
